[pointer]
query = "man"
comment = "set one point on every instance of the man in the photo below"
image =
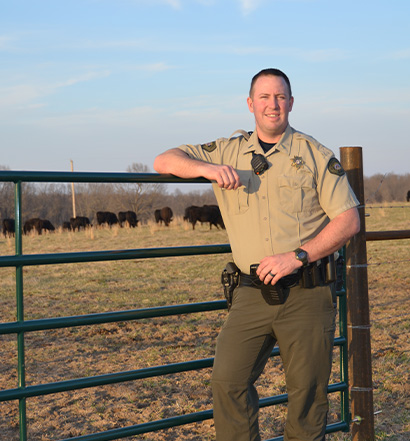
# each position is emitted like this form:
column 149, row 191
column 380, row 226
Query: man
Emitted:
column 287, row 208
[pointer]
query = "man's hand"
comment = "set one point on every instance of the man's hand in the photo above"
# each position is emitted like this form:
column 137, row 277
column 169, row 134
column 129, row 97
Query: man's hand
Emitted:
column 273, row 268
column 224, row 175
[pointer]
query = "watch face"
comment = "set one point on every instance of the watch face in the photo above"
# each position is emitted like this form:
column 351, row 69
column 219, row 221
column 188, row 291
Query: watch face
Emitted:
column 302, row 255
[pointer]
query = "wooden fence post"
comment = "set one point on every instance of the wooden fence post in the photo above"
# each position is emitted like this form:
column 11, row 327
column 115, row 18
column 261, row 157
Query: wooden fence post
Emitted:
column 358, row 318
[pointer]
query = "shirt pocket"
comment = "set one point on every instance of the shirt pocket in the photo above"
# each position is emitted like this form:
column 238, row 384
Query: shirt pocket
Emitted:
column 237, row 201
column 298, row 193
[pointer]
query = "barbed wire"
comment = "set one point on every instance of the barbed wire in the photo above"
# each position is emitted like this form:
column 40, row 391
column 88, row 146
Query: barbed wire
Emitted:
column 367, row 207
column 383, row 206
column 386, row 263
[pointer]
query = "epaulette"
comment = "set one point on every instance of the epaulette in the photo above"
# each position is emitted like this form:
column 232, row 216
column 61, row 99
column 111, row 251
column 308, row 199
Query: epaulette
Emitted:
column 315, row 143
column 301, row 135
column 245, row 134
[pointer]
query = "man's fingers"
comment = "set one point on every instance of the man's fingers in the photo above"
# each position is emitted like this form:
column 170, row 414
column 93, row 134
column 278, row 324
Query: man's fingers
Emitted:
column 228, row 178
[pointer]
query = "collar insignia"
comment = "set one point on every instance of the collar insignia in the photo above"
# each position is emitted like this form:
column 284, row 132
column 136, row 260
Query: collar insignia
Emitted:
column 298, row 162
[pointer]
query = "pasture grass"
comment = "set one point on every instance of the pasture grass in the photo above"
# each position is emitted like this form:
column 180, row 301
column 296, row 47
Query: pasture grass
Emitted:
column 76, row 289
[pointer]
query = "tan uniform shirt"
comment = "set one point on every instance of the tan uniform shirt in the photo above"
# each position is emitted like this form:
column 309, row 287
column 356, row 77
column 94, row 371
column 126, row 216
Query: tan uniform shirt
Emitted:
column 288, row 204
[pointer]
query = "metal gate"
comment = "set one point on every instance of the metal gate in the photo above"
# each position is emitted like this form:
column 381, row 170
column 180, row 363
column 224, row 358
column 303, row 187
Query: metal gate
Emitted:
column 21, row 326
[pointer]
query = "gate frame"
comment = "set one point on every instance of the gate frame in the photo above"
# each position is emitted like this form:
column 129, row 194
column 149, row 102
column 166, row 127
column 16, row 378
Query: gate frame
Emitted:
column 22, row 326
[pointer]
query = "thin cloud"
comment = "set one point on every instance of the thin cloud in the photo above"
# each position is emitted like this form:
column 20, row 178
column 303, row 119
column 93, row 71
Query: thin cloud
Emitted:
column 5, row 42
column 112, row 44
column 247, row 6
column 81, row 79
column 23, row 95
column 99, row 116
column 175, row 4
column 154, row 67
column 403, row 54
column 321, row 55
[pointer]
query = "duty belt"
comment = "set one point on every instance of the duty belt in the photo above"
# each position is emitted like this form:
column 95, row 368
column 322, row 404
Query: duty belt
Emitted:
column 287, row 282
column 320, row 273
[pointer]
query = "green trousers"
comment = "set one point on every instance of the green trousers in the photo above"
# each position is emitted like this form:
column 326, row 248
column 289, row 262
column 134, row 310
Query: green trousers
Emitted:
column 304, row 329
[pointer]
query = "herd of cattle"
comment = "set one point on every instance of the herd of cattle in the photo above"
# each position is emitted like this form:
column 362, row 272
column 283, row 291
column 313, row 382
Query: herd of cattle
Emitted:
column 193, row 214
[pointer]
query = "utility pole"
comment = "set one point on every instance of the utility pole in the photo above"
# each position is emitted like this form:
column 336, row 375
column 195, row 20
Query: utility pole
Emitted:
column 72, row 191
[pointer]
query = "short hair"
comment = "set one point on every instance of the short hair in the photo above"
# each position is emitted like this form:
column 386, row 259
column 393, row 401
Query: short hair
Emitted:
column 267, row 72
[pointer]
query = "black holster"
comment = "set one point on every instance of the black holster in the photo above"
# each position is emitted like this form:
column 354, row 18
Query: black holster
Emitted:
column 340, row 264
column 274, row 294
column 230, row 280
column 319, row 275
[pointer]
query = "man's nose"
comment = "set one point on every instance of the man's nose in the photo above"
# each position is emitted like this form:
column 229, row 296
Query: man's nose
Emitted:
column 273, row 102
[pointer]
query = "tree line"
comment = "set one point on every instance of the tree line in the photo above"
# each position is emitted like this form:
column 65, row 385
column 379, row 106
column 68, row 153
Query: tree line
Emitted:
column 386, row 188
column 54, row 201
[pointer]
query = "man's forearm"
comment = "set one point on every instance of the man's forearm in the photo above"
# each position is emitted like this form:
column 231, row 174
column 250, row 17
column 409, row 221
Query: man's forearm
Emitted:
column 178, row 163
column 334, row 235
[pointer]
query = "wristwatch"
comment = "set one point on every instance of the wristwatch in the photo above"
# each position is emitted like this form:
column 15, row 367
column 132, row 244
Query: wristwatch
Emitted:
column 302, row 255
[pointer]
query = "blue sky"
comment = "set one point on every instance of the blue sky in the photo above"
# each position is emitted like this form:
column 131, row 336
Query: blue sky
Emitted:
column 108, row 83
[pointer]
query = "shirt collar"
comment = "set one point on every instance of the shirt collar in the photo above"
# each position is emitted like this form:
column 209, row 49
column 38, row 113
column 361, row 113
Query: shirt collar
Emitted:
column 283, row 145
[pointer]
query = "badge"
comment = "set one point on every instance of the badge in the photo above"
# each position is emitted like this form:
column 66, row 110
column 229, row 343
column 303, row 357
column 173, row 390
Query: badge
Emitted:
column 335, row 167
column 298, row 162
column 209, row 147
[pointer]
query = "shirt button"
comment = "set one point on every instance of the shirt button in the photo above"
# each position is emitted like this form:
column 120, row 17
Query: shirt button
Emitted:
column 267, row 239
column 265, row 218
column 263, row 197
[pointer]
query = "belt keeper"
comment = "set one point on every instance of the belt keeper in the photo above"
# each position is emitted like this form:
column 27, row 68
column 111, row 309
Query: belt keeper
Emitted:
column 316, row 275
column 307, row 279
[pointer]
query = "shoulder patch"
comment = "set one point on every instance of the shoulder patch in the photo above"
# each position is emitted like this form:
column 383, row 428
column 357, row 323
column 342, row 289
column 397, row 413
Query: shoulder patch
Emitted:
column 209, row 147
column 335, row 167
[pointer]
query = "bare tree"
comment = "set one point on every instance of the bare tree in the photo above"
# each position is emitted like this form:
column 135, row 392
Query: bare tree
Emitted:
column 140, row 197
column 386, row 188
column 6, row 197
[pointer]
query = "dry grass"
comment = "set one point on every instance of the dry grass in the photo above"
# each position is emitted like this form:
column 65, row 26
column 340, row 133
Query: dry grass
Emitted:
column 74, row 289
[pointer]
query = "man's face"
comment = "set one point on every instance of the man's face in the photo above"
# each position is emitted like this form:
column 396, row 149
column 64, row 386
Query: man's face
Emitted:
column 270, row 103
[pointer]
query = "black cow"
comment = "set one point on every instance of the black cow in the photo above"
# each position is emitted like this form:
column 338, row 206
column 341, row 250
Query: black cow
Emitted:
column 79, row 221
column 206, row 213
column 8, row 227
column 188, row 211
column 38, row 225
column 66, row 226
column 408, row 196
column 163, row 215
column 128, row 216
column 106, row 217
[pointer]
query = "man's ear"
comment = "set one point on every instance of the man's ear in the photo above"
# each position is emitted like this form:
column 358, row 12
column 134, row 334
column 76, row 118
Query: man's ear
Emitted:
column 250, row 104
column 291, row 101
